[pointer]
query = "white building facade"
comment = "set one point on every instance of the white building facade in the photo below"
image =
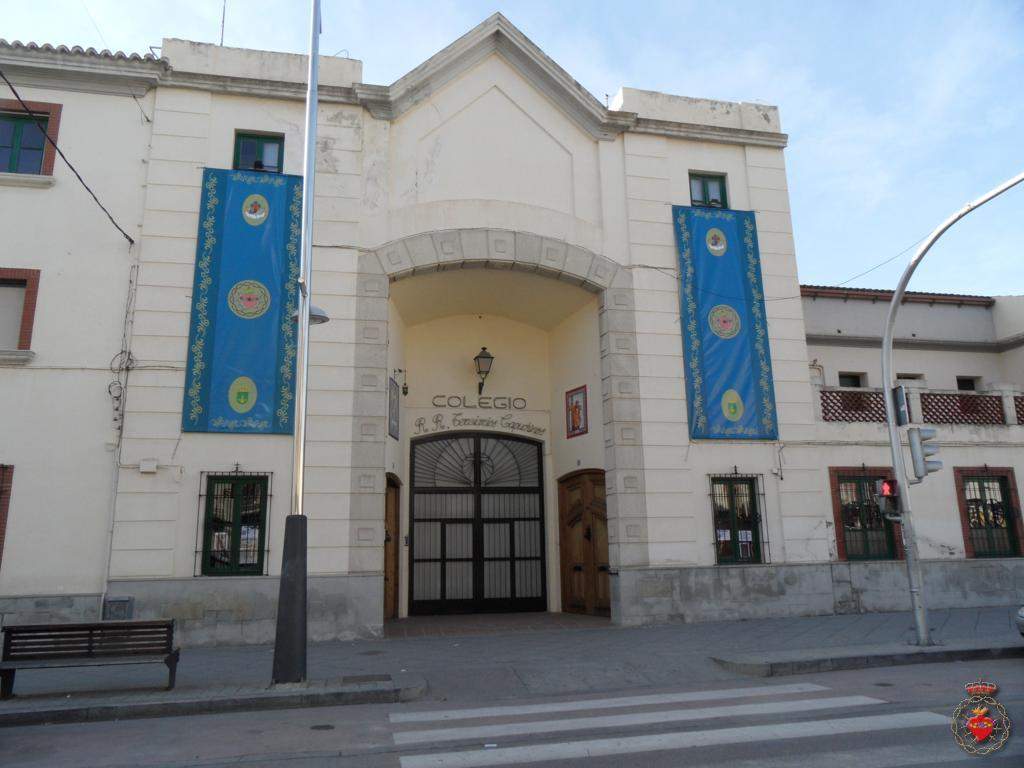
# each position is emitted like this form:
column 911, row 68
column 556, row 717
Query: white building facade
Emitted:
column 484, row 200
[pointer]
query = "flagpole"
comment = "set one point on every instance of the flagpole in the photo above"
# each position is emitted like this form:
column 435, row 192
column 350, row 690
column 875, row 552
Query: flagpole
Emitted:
column 290, row 639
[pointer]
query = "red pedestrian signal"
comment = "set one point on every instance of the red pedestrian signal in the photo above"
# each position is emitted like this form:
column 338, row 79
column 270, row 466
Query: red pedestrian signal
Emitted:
column 886, row 489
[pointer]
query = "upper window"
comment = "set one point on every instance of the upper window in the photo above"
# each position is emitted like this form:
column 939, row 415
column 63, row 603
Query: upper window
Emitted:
column 235, row 526
column 707, row 191
column 22, row 141
column 967, row 383
column 851, row 379
column 23, row 144
column 256, row 152
column 18, row 290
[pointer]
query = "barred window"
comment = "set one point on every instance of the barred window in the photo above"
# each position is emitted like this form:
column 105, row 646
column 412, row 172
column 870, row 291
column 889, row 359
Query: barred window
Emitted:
column 989, row 517
column 736, row 520
column 235, row 522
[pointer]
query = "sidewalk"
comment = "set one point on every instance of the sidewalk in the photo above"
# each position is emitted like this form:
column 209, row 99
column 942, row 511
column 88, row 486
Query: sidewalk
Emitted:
column 479, row 657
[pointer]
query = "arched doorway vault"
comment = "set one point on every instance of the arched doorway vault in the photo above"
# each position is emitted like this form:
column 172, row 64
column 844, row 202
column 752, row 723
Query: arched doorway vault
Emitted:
column 617, row 404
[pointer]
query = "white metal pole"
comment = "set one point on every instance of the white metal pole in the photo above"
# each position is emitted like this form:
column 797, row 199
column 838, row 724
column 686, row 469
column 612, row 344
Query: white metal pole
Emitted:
column 889, row 380
column 290, row 640
column 306, row 270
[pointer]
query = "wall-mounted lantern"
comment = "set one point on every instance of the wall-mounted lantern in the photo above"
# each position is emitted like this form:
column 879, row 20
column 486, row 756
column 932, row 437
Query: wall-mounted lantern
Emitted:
column 483, row 362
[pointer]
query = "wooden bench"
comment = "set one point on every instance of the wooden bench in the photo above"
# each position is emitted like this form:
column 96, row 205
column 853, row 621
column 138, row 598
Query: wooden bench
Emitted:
column 49, row 646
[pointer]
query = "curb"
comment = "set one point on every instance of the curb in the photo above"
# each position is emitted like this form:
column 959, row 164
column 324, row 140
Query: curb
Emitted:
column 368, row 689
column 863, row 657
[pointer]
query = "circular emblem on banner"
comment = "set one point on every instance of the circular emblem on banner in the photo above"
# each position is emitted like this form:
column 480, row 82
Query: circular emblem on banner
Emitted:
column 732, row 405
column 724, row 321
column 716, row 242
column 255, row 209
column 242, row 394
column 249, row 299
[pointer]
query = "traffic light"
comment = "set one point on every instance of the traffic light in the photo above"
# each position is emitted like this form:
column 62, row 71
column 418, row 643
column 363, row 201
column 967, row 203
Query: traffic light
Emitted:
column 887, row 489
column 920, row 451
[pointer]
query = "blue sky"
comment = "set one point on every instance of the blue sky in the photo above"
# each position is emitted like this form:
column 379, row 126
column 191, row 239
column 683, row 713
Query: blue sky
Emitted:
column 898, row 113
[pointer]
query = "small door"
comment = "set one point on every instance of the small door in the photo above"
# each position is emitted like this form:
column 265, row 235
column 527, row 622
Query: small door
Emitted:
column 391, row 552
column 583, row 521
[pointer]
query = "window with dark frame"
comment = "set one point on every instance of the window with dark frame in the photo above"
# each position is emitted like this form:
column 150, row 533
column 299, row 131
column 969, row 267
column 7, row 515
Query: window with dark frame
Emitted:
column 866, row 534
column 967, row 383
column 737, row 522
column 851, row 379
column 259, row 152
column 19, row 289
column 988, row 512
column 235, row 523
column 708, row 191
column 6, row 482
column 22, row 143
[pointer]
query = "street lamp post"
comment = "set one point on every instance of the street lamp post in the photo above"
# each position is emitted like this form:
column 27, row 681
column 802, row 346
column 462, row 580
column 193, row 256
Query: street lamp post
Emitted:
column 898, row 465
column 290, row 638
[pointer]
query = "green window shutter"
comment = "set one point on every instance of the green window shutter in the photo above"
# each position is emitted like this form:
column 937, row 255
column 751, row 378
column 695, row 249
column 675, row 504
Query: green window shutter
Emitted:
column 253, row 148
column 22, row 143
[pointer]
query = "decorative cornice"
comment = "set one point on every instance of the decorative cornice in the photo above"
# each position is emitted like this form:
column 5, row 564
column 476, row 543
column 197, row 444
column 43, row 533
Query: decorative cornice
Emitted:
column 712, row 133
column 835, row 340
column 105, row 72
column 910, row 297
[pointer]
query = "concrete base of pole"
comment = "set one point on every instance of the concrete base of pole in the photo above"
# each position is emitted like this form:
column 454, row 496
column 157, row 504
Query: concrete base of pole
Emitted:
column 290, row 641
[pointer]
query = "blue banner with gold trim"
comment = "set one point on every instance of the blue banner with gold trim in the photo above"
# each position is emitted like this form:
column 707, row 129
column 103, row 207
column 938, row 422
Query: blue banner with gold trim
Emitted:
column 242, row 341
column 729, row 386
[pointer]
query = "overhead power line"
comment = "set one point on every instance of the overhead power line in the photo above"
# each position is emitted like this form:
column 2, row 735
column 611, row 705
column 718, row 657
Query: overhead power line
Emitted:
column 42, row 129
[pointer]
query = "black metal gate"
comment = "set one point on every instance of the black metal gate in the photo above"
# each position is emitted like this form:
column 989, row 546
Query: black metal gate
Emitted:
column 477, row 533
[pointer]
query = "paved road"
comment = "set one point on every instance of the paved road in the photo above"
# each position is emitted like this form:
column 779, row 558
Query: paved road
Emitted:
column 880, row 718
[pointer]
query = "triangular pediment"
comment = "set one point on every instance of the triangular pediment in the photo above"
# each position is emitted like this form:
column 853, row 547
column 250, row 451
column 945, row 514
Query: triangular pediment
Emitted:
column 496, row 35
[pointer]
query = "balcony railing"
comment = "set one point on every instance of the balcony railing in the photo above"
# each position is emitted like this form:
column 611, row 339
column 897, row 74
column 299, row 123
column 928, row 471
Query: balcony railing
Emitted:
column 852, row 405
column 1018, row 406
column 868, row 405
column 961, row 408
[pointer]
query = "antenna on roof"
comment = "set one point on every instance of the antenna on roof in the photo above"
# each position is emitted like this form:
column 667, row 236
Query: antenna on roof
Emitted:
column 223, row 13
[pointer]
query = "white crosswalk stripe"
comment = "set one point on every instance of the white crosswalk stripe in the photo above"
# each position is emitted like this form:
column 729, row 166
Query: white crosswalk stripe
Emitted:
column 499, row 735
column 657, row 742
column 640, row 718
column 592, row 704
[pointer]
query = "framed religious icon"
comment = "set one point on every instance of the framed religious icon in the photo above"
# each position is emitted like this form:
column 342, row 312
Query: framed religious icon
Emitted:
column 576, row 419
column 393, row 408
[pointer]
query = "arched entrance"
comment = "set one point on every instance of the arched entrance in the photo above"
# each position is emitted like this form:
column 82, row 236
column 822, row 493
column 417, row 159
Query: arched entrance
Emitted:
column 477, row 524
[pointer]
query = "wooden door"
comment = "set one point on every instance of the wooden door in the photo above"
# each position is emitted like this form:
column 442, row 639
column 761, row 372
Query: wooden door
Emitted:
column 583, row 523
column 391, row 552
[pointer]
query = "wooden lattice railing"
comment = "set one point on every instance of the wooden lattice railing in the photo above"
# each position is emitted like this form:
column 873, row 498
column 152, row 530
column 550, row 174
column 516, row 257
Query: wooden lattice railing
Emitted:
column 1018, row 406
column 960, row 408
column 852, row 405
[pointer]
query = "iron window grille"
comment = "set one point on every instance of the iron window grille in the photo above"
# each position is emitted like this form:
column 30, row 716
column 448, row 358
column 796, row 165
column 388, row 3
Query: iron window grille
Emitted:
column 234, row 516
column 259, row 152
column 990, row 518
column 866, row 533
column 740, row 536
